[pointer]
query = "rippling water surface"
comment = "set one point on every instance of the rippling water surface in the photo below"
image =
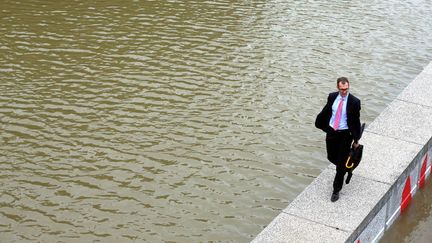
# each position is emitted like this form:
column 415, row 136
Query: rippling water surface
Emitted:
column 181, row 120
column 415, row 225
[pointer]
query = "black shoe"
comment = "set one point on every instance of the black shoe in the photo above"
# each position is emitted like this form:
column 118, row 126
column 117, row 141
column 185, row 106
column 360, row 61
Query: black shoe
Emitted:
column 334, row 196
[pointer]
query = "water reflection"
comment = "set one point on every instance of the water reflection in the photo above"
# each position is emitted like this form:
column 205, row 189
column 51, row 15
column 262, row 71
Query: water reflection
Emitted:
column 415, row 224
column 180, row 121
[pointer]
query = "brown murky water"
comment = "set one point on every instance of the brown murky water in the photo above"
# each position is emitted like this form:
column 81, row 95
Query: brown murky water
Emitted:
column 181, row 120
column 414, row 226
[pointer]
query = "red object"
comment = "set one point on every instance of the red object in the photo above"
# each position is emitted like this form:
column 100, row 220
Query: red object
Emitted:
column 423, row 172
column 338, row 115
column 406, row 195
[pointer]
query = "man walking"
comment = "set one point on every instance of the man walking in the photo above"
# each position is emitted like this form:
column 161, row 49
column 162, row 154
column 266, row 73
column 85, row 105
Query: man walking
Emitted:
column 340, row 119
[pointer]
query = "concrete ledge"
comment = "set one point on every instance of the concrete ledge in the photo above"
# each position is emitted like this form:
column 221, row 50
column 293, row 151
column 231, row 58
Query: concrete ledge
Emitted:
column 405, row 121
column 396, row 154
column 359, row 198
column 283, row 223
column 396, row 162
column 419, row 91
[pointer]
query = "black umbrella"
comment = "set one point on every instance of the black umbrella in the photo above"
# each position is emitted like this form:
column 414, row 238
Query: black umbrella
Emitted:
column 354, row 157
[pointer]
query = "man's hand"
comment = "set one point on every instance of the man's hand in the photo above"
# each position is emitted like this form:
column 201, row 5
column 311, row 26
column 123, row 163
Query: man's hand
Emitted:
column 355, row 145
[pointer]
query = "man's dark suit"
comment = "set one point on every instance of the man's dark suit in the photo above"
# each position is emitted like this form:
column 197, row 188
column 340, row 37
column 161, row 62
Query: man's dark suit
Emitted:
column 353, row 115
column 338, row 143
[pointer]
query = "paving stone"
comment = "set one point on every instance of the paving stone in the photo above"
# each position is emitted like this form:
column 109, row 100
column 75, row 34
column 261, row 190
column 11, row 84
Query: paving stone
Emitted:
column 404, row 121
column 356, row 201
column 419, row 91
column 289, row 228
column 385, row 159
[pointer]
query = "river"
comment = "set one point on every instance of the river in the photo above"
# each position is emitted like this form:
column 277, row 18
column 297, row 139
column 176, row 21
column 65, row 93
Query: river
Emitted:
column 182, row 121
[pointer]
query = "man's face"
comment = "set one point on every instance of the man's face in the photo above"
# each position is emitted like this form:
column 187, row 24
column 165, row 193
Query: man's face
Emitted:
column 343, row 88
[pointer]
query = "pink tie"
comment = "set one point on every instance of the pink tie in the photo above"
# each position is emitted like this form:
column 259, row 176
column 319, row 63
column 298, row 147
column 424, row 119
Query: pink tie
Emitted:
column 338, row 115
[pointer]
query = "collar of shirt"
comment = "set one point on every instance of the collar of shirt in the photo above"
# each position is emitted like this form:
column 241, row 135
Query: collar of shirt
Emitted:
column 340, row 97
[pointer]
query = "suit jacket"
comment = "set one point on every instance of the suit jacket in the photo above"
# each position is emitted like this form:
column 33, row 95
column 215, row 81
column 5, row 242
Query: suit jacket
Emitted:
column 353, row 115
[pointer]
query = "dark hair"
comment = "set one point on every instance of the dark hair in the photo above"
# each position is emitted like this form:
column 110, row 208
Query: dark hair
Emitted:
column 342, row 80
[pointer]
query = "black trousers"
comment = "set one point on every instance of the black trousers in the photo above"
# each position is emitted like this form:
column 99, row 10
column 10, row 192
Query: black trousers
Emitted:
column 338, row 144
